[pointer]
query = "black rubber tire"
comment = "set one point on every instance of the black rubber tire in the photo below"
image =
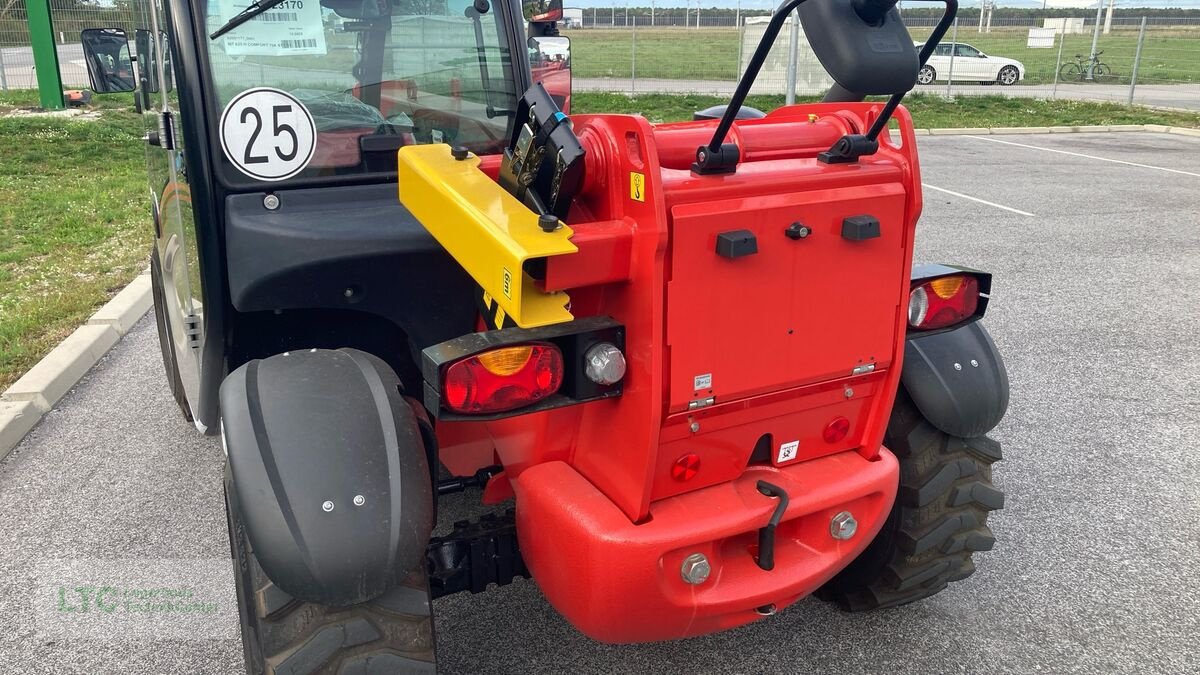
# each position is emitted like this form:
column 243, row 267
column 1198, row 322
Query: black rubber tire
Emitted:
column 932, row 77
column 1008, row 69
column 1070, row 73
column 284, row 636
column 166, row 346
column 938, row 522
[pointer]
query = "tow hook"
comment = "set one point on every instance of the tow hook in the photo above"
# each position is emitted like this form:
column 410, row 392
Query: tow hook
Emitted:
column 766, row 534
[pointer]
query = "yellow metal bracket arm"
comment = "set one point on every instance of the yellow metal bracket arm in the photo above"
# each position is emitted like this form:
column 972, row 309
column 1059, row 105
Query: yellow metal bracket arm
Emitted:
column 485, row 229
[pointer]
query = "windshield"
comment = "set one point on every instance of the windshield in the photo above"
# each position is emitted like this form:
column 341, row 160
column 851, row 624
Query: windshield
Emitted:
column 334, row 87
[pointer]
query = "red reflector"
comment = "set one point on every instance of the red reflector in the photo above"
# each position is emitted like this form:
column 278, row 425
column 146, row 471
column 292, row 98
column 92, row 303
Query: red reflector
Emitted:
column 943, row 302
column 686, row 467
column 503, row 379
column 836, row 430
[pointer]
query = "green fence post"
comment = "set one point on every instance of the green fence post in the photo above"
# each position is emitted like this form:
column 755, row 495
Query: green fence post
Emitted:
column 45, row 54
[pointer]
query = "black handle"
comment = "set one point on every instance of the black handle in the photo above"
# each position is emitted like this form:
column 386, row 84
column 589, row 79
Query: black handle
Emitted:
column 766, row 534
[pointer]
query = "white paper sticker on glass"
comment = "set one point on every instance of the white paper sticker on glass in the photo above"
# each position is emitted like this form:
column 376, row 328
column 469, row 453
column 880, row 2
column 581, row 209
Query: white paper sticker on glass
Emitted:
column 291, row 28
column 268, row 134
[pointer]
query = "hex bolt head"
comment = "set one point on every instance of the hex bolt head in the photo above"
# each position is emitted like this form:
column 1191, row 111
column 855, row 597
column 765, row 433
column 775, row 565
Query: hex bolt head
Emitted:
column 271, row 202
column 849, row 392
column 695, row 569
column 359, row 500
column 327, row 506
column 958, row 366
column 694, row 426
column 843, row 526
column 974, row 363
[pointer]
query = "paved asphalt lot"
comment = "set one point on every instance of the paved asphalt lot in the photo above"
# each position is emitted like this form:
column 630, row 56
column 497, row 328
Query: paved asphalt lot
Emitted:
column 1096, row 310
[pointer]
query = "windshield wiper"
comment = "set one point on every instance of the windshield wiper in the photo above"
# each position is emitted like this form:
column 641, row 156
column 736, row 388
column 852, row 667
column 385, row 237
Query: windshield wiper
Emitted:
column 243, row 16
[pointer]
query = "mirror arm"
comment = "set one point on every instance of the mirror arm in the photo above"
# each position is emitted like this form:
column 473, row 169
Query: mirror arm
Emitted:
column 714, row 157
column 849, row 148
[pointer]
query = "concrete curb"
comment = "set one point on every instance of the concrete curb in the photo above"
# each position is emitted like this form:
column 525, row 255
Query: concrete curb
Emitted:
column 1004, row 131
column 24, row 403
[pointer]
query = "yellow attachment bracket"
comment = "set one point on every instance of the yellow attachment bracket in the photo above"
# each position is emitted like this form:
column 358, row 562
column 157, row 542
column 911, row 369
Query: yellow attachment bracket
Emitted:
column 485, row 229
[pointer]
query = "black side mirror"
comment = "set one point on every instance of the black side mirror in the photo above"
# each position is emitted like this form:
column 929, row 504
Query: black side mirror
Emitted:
column 542, row 11
column 550, row 64
column 109, row 65
column 863, row 44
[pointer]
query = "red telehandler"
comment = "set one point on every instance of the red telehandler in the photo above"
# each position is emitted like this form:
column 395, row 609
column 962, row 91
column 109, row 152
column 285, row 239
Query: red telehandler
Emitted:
column 697, row 357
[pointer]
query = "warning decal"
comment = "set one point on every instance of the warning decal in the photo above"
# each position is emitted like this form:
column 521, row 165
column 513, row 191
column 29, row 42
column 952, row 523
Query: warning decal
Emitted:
column 637, row 186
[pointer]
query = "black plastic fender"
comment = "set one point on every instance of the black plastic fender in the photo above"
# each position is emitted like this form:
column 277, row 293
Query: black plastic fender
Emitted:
column 956, row 379
column 329, row 472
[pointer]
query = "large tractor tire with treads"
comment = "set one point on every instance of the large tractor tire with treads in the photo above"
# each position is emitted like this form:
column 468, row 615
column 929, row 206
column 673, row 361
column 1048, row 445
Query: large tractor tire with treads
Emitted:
column 938, row 522
column 284, row 636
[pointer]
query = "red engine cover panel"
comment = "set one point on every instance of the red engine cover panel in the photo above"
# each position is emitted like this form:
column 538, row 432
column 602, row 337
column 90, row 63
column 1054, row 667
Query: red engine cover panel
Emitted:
column 798, row 310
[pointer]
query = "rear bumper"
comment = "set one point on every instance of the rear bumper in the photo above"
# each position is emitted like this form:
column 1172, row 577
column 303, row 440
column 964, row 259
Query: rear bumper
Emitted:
column 620, row 582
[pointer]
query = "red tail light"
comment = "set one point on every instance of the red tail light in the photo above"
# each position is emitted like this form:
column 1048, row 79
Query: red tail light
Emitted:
column 503, row 379
column 942, row 302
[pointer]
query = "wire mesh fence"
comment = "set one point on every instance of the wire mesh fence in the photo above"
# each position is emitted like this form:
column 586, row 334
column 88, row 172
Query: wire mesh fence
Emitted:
column 69, row 18
column 1151, row 60
column 619, row 50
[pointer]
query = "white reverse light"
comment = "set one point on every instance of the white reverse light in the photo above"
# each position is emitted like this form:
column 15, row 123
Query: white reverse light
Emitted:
column 605, row 364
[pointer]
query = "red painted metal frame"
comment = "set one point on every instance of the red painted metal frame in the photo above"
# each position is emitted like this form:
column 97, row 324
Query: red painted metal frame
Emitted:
column 603, row 524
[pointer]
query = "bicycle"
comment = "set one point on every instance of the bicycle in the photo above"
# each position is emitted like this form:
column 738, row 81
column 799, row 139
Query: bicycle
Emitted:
column 1080, row 68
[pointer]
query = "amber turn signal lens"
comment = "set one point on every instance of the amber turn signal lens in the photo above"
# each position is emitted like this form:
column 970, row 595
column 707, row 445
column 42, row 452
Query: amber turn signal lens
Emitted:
column 506, row 361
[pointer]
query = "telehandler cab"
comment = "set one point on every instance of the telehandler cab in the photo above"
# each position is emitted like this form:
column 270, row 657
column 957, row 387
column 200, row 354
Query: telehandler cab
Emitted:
column 388, row 266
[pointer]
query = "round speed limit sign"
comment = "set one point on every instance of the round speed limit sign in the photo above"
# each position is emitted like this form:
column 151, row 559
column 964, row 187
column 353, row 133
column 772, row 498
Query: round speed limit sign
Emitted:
column 268, row 134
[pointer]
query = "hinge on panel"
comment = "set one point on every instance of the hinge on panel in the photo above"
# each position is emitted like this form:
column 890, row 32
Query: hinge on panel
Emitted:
column 191, row 328
column 701, row 403
column 166, row 130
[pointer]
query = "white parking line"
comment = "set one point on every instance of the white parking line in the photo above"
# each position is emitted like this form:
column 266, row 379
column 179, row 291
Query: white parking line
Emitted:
column 977, row 199
column 1080, row 154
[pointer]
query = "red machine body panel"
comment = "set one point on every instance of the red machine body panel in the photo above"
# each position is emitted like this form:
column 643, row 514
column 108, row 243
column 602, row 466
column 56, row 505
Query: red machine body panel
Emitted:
column 801, row 335
column 798, row 310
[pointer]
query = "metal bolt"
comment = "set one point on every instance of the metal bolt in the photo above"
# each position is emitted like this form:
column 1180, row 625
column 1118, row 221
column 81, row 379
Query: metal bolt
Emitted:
column 849, row 392
column 359, row 500
column 843, row 526
column 271, row 202
column 695, row 569
column 958, row 366
column 695, row 427
column 349, row 292
column 327, row 506
column 974, row 363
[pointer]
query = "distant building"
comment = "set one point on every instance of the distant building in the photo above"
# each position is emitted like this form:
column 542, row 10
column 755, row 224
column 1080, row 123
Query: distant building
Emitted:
column 572, row 17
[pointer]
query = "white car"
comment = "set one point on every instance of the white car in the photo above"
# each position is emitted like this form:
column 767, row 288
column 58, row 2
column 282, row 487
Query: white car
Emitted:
column 970, row 65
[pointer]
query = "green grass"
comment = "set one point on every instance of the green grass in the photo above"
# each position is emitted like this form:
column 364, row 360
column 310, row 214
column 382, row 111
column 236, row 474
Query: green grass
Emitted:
column 928, row 111
column 74, row 222
column 712, row 54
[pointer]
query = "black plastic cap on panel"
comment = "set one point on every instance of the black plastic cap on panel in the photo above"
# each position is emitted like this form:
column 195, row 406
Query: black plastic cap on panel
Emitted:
column 736, row 243
column 860, row 228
